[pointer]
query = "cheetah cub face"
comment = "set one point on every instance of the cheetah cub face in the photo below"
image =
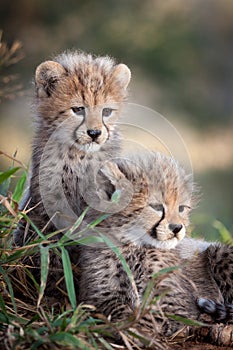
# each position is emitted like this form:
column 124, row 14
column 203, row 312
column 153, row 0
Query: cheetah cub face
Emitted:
column 166, row 215
column 157, row 213
column 82, row 95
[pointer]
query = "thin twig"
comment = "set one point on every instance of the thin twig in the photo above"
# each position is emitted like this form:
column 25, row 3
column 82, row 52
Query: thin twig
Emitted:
column 13, row 158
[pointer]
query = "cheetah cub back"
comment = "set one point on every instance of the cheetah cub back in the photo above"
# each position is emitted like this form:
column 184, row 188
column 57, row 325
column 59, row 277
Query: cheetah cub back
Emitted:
column 78, row 99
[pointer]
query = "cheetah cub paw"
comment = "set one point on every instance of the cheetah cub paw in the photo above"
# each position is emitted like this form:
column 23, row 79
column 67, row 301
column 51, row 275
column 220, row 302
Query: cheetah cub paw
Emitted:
column 219, row 312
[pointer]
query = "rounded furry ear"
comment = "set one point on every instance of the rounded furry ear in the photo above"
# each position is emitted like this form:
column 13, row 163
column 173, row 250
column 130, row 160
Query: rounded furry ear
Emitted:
column 122, row 74
column 46, row 76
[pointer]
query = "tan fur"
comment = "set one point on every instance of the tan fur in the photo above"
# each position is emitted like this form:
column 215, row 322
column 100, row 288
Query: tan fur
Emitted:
column 77, row 96
column 160, row 197
column 196, row 287
column 201, row 283
column 104, row 283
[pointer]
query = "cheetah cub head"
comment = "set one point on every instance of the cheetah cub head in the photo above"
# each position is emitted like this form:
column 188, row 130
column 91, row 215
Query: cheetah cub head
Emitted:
column 82, row 95
column 157, row 214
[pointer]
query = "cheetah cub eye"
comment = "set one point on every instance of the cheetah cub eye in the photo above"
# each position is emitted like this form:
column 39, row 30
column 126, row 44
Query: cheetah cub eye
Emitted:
column 79, row 110
column 184, row 209
column 107, row 112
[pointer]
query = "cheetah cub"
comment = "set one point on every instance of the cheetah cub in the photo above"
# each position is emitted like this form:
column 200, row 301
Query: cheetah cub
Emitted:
column 148, row 230
column 78, row 100
column 160, row 197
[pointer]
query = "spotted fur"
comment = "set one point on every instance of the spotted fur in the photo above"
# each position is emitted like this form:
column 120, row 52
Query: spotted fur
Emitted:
column 194, row 289
column 78, row 99
column 201, row 283
column 160, row 197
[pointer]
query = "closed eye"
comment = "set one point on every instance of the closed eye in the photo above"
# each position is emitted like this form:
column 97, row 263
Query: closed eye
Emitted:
column 78, row 110
column 157, row 207
column 184, row 208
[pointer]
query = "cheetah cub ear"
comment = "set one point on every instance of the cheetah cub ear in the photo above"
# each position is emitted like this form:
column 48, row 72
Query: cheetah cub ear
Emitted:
column 46, row 77
column 121, row 74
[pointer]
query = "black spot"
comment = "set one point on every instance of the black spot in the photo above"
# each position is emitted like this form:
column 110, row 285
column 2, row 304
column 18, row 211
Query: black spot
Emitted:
column 65, row 168
column 123, row 285
column 71, row 156
column 225, row 255
column 137, row 266
column 108, row 256
column 231, row 276
column 225, row 267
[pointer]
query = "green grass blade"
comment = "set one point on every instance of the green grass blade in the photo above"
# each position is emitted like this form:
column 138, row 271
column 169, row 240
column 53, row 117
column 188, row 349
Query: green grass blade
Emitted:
column 18, row 192
column 186, row 321
column 67, row 339
column 3, row 319
column 71, row 232
column 89, row 240
column 105, row 343
column 40, row 234
column 226, row 236
column 119, row 255
column 151, row 284
column 99, row 220
column 68, row 276
column 44, row 256
column 8, row 282
column 142, row 339
column 116, row 196
column 3, row 306
column 165, row 270
column 37, row 344
column 7, row 174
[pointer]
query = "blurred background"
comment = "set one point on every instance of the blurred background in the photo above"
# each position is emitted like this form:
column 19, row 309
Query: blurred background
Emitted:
column 181, row 56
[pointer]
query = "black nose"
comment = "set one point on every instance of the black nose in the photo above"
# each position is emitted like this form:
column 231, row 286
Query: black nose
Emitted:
column 175, row 228
column 94, row 134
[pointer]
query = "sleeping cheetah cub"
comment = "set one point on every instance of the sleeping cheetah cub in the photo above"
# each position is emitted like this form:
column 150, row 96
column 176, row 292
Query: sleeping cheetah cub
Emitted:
column 78, row 100
column 148, row 229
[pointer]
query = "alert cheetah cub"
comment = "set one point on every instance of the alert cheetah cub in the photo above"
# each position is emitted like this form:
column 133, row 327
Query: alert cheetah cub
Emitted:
column 78, row 99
